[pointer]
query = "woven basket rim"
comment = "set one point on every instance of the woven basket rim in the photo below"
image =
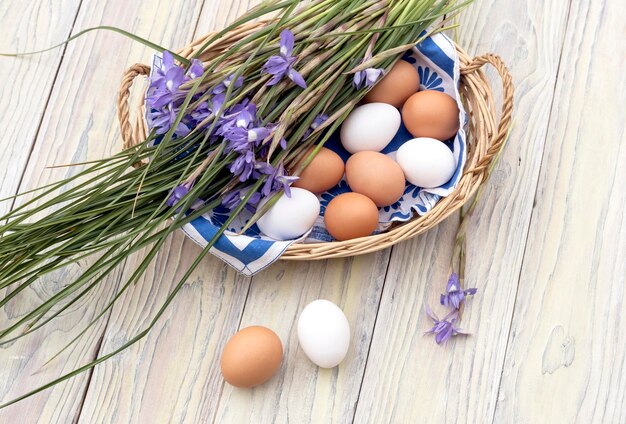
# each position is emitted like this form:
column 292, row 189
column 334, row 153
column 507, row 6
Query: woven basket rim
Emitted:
column 486, row 134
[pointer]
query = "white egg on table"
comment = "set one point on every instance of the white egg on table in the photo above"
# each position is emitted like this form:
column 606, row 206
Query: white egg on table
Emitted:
column 324, row 333
column 426, row 162
column 370, row 127
column 290, row 217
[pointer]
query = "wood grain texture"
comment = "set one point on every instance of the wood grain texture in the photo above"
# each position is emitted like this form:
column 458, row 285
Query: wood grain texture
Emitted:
column 408, row 377
column 301, row 392
column 79, row 124
column 173, row 375
column 567, row 348
column 27, row 25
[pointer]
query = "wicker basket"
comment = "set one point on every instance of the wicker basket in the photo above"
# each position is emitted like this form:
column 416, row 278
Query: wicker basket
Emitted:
column 485, row 138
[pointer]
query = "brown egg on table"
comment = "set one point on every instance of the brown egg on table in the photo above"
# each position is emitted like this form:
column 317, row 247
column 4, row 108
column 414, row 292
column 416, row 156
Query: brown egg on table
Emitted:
column 396, row 87
column 322, row 173
column 376, row 176
column 431, row 113
column 351, row 215
column 251, row 357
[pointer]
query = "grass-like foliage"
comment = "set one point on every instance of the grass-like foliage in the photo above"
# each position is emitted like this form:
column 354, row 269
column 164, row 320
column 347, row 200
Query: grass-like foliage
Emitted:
column 192, row 161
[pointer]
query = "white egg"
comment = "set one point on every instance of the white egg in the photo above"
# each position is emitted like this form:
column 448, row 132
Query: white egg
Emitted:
column 324, row 333
column 426, row 162
column 370, row 127
column 290, row 217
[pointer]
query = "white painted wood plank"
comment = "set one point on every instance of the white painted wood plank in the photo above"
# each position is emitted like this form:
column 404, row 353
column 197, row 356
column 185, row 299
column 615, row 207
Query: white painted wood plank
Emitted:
column 80, row 124
column 173, row 375
column 567, row 348
column 408, row 377
column 27, row 25
column 301, row 392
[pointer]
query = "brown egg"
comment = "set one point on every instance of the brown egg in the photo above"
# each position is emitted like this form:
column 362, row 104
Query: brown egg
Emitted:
column 351, row 215
column 251, row 357
column 398, row 85
column 376, row 176
column 322, row 173
column 431, row 114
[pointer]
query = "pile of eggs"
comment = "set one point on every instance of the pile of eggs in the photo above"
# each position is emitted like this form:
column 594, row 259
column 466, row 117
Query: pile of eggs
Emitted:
column 375, row 179
column 254, row 354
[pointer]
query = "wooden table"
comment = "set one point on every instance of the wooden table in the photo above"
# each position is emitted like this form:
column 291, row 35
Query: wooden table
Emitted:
column 547, row 246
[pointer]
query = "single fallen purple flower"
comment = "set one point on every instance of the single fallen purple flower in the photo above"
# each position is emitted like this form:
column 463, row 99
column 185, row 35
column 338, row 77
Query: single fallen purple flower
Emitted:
column 282, row 65
column 367, row 77
column 454, row 295
column 223, row 86
column 444, row 329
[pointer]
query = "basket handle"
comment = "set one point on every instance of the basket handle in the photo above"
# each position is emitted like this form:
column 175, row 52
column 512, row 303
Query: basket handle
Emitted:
column 123, row 113
column 500, row 136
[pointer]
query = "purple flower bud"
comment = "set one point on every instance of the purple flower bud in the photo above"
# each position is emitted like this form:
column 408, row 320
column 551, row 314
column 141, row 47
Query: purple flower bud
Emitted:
column 319, row 120
column 454, row 295
column 177, row 194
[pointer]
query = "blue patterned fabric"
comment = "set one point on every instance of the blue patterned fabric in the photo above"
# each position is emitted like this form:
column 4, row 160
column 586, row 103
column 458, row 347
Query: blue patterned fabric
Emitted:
column 438, row 67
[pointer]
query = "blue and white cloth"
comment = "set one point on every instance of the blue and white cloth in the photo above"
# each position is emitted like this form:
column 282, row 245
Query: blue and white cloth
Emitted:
column 438, row 66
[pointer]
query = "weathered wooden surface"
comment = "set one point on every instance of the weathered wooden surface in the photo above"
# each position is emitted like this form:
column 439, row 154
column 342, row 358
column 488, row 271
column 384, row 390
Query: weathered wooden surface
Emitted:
column 460, row 382
column 568, row 337
column 547, row 247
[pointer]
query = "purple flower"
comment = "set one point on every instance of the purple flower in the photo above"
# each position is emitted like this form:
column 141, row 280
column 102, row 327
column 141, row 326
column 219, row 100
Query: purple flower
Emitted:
column 277, row 179
column 223, row 86
column 454, row 295
column 165, row 94
column 202, row 112
column 242, row 139
column 196, row 69
column 319, row 120
column 166, row 81
column 178, row 193
column 233, row 198
column 282, row 65
column 163, row 119
column 243, row 165
column 369, row 77
column 240, row 115
column 444, row 329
